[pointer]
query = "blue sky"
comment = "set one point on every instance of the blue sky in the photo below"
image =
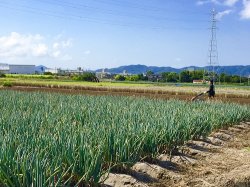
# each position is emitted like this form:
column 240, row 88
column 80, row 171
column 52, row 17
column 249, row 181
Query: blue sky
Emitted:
column 96, row 34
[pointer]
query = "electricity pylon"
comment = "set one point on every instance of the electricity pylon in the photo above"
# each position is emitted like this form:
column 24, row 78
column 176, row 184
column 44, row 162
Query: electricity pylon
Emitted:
column 213, row 52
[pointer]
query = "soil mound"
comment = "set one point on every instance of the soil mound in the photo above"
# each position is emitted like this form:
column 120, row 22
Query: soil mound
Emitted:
column 221, row 160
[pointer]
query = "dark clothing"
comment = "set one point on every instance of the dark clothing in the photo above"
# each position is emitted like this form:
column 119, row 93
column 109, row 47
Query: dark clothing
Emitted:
column 211, row 92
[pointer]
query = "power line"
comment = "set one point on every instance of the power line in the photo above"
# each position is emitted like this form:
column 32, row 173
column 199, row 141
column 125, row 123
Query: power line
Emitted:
column 79, row 7
column 142, row 7
column 28, row 9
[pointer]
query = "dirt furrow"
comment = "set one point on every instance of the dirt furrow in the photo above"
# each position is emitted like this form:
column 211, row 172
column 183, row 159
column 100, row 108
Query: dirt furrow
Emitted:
column 221, row 160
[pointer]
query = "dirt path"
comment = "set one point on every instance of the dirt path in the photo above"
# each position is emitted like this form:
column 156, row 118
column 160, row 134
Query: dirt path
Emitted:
column 222, row 160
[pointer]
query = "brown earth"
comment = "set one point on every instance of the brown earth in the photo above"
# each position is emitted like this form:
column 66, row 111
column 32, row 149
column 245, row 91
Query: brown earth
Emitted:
column 132, row 92
column 222, row 160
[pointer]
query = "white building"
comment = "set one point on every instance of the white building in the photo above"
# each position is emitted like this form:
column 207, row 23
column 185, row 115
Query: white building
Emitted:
column 17, row 69
column 21, row 69
column 4, row 68
column 54, row 71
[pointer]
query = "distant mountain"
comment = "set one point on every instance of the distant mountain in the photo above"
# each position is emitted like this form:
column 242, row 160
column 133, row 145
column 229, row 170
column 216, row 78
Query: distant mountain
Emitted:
column 231, row 70
column 137, row 69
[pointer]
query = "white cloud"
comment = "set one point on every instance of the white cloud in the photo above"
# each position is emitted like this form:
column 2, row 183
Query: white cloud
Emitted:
column 17, row 46
column 66, row 43
column 229, row 3
column 87, row 52
column 56, row 54
column 40, row 50
column 56, row 45
column 219, row 15
column 202, row 2
column 59, row 47
column 245, row 13
column 62, row 44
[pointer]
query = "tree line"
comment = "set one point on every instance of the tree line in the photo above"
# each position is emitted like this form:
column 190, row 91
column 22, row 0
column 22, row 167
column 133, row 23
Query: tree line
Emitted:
column 171, row 77
column 184, row 76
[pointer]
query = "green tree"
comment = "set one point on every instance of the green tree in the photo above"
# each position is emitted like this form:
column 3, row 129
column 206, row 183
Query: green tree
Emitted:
column 172, row 77
column 48, row 73
column 120, row 78
column 235, row 79
column 142, row 77
column 197, row 74
column 86, row 76
column 132, row 78
column 149, row 73
column 165, row 76
column 185, row 76
column 2, row 75
column 223, row 77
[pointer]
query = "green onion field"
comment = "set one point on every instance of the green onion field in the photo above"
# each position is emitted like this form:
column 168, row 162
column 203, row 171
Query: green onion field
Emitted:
column 65, row 140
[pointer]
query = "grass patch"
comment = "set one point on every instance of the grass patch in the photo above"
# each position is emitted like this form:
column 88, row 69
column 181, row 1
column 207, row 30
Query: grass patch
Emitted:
column 7, row 84
column 26, row 76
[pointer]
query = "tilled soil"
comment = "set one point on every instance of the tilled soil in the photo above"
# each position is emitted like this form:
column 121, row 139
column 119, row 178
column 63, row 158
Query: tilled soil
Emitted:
column 158, row 95
column 222, row 160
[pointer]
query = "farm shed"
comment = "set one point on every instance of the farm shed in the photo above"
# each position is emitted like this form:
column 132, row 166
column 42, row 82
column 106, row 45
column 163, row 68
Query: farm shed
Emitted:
column 199, row 81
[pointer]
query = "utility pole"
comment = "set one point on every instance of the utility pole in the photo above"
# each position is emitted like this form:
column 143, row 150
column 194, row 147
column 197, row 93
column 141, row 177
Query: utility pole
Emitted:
column 213, row 52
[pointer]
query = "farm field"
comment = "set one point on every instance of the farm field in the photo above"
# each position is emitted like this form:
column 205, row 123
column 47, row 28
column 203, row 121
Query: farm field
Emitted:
column 225, row 93
column 152, row 94
column 51, row 139
column 153, row 88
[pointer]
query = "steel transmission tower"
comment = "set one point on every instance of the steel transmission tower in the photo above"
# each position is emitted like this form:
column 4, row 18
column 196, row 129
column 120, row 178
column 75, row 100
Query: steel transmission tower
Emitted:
column 213, row 52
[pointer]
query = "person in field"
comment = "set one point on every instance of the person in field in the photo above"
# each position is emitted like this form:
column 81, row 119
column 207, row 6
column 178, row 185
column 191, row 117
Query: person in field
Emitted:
column 211, row 91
